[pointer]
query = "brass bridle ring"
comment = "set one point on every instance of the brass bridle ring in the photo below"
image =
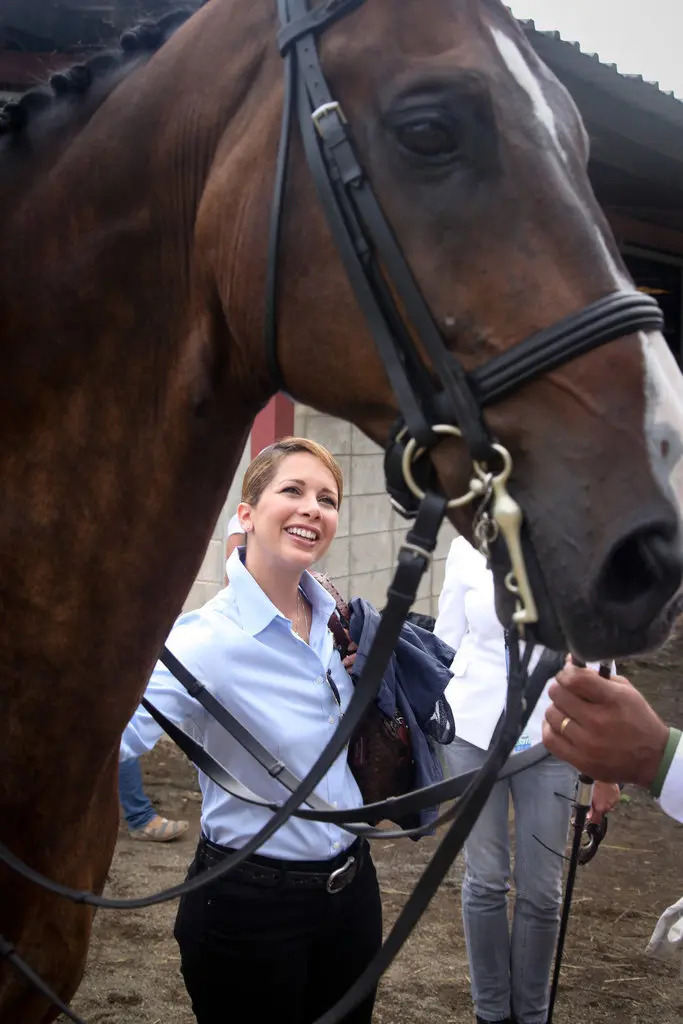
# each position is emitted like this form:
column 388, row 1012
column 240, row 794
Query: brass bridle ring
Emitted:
column 412, row 453
column 479, row 486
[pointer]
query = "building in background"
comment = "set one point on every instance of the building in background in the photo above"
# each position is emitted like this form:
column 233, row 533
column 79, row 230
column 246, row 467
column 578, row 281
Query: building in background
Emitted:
column 636, row 168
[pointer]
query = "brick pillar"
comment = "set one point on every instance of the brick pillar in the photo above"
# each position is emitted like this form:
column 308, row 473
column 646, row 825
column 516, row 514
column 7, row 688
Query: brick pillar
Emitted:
column 272, row 423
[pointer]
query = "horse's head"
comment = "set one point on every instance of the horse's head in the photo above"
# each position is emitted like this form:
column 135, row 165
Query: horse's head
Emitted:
column 478, row 157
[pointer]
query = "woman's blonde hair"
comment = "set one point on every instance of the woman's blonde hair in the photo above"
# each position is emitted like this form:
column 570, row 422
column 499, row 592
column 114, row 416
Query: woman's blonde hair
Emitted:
column 262, row 469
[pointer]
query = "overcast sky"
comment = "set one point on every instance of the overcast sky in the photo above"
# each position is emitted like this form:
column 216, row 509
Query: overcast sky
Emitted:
column 644, row 37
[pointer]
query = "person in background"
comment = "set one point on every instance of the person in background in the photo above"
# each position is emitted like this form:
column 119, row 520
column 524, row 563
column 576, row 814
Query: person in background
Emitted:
column 143, row 821
column 509, row 968
column 606, row 728
column 286, row 933
column 235, row 537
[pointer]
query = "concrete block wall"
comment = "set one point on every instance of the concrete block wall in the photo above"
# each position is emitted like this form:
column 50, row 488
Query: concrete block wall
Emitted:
column 362, row 556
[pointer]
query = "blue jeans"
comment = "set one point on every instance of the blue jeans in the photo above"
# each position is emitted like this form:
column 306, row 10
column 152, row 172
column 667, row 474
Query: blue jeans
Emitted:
column 510, row 971
column 137, row 807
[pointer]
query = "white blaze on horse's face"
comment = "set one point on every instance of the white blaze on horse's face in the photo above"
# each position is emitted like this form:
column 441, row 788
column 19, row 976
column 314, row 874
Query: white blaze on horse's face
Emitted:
column 621, row 280
column 517, row 65
column 664, row 414
column 527, row 79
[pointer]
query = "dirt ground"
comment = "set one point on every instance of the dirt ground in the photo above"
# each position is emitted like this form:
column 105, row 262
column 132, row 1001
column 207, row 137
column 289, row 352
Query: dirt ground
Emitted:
column 133, row 969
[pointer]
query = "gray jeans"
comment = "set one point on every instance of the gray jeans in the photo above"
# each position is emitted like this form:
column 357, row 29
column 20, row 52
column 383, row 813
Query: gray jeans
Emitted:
column 510, row 970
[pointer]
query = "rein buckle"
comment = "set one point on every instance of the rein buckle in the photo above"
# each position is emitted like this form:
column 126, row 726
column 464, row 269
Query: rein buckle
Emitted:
column 332, row 109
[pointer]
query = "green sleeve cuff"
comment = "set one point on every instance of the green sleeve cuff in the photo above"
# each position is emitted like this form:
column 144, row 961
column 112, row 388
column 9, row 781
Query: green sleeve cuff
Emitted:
column 665, row 763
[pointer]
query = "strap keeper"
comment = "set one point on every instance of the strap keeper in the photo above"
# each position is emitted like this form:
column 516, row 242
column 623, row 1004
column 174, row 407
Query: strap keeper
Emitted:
column 416, row 552
column 313, row 23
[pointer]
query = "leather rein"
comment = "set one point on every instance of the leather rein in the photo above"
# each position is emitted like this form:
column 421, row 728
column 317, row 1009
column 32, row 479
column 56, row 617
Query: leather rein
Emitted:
column 433, row 403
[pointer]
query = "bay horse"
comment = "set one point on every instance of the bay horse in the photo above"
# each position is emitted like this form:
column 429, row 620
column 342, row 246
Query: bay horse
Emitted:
column 134, row 202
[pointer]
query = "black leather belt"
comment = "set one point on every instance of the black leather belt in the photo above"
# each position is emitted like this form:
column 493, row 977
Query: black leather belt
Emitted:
column 268, row 873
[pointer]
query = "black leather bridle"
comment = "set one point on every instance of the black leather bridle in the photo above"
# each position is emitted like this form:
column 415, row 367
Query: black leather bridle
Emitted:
column 378, row 271
column 433, row 401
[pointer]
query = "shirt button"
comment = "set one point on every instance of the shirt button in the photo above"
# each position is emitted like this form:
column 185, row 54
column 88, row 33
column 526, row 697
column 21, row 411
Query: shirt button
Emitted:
column 335, row 803
column 319, row 680
column 331, row 719
column 335, row 846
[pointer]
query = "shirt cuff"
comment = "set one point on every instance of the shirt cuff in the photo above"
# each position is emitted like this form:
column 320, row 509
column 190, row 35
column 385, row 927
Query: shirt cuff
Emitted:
column 671, row 796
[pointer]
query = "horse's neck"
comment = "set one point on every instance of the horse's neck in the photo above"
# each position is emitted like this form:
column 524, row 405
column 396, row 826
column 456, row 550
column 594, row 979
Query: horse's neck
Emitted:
column 124, row 416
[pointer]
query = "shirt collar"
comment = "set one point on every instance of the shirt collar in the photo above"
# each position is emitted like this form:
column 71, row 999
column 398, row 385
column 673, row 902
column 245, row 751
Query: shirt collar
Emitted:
column 256, row 610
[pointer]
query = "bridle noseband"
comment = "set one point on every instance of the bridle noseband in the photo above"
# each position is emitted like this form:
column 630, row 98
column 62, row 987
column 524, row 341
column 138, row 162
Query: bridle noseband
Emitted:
column 434, row 401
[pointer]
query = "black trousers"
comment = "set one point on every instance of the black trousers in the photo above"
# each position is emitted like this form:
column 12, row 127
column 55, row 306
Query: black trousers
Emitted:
column 253, row 955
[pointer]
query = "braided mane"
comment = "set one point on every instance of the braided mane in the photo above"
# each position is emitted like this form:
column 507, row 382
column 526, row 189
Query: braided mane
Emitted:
column 70, row 89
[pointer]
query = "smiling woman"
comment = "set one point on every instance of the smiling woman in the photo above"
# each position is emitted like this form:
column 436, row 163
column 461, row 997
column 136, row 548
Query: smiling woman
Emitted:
column 290, row 507
column 262, row 647
column 303, row 484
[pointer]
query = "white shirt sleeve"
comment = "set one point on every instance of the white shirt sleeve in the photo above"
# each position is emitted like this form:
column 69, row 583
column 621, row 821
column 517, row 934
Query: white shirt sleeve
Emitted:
column 451, row 622
column 234, row 526
column 671, row 797
column 169, row 696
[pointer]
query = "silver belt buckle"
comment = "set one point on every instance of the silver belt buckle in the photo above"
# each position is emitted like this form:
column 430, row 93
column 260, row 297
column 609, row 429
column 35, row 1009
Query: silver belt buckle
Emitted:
column 337, row 880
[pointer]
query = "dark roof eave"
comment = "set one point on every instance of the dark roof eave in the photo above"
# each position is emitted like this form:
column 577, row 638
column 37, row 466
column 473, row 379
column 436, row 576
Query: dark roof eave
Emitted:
column 632, row 90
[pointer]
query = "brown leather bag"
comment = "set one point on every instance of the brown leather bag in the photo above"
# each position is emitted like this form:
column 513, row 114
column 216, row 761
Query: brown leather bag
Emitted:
column 380, row 752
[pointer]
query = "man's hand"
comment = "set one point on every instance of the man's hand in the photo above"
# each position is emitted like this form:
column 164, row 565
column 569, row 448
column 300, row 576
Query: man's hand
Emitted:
column 604, row 727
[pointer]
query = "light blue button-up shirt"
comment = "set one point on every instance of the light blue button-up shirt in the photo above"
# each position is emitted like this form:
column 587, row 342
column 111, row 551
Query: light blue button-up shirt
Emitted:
column 244, row 651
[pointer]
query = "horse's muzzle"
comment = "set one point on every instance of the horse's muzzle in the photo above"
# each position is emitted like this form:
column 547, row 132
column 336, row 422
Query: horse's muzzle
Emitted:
column 640, row 576
column 611, row 604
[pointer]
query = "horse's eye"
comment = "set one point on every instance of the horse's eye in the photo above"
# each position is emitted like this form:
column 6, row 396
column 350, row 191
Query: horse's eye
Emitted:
column 429, row 137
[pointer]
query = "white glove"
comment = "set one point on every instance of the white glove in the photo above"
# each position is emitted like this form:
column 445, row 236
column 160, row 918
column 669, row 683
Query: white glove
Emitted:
column 667, row 938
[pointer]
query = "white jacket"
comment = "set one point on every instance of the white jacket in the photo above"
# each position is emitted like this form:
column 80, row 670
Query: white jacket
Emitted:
column 467, row 621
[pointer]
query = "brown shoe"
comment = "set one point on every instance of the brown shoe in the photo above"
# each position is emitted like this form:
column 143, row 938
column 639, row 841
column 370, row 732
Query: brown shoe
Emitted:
column 160, row 830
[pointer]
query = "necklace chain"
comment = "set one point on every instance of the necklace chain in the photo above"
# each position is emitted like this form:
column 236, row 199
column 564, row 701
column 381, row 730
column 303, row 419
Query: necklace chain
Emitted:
column 300, row 615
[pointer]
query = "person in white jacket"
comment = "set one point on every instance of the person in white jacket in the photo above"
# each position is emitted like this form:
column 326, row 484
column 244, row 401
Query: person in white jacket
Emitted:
column 509, row 968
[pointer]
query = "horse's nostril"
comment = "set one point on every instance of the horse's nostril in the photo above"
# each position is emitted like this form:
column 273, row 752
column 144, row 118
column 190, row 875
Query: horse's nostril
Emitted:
column 641, row 574
column 637, row 564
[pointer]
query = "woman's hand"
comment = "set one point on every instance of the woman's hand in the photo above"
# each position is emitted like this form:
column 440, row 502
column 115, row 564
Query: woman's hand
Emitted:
column 348, row 661
column 605, row 797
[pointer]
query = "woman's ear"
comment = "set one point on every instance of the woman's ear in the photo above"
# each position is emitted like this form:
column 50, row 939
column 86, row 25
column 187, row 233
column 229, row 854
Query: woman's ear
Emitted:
column 244, row 514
